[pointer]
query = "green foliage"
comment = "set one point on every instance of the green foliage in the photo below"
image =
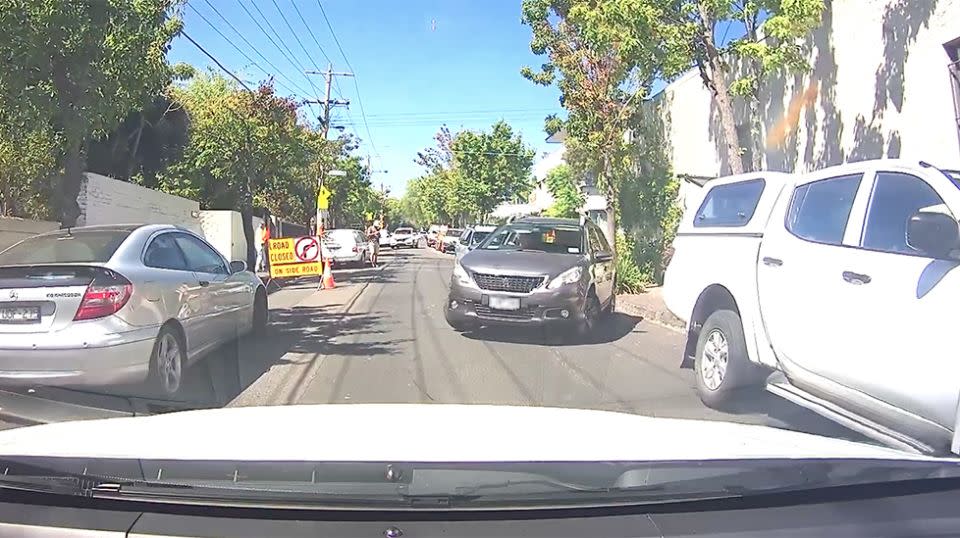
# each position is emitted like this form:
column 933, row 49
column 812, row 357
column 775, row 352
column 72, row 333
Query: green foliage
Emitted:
column 567, row 198
column 245, row 149
column 468, row 175
column 27, row 161
column 630, row 277
column 78, row 67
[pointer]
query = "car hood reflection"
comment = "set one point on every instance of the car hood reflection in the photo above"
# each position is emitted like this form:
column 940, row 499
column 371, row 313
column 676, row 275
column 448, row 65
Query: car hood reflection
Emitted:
column 422, row 433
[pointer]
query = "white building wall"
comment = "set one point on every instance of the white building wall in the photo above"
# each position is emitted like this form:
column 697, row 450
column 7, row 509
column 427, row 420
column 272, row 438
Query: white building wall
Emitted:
column 878, row 87
column 223, row 229
column 104, row 200
column 14, row 230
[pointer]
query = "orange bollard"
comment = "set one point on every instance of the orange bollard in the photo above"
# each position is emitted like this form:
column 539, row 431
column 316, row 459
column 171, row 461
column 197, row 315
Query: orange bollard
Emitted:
column 327, row 282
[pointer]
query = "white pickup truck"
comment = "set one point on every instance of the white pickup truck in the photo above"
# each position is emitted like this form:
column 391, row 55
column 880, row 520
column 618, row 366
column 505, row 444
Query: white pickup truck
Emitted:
column 841, row 283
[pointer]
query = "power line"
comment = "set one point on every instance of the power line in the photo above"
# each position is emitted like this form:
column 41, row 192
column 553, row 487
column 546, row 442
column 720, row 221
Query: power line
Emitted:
column 215, row 29
column 312, row 35
column 297, row 65
column 336, row 83
column 356, row 85
column 216, row 61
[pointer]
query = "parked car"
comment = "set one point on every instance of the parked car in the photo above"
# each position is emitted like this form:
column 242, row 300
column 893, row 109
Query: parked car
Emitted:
column 347, row 246
column 838, row 281
column 384, row 238
column 450, row 239
column 103, row 305
column 471, row 237
column 534, row 271
column 431, row 236
column 404, row 237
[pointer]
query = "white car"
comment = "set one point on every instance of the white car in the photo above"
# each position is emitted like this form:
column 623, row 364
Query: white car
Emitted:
column 471, row 237
column 404, row 237
column 347, row 246
column 841, row 281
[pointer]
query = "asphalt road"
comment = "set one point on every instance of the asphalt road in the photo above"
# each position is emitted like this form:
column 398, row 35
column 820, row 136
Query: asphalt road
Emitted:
column 380, row 337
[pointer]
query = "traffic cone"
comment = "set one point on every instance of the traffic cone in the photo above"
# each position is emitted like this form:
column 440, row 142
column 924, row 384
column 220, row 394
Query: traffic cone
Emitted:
column 328, row 283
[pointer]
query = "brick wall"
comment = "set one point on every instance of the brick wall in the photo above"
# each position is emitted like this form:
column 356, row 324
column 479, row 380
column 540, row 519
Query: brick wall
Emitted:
column 104, row 200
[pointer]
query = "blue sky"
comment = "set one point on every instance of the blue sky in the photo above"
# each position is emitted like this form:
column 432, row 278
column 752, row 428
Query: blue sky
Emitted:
column 418, row 64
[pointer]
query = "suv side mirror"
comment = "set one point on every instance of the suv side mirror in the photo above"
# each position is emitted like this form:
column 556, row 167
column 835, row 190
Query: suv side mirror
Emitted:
column 238, row 266
column 934, row 234
column 602, row 256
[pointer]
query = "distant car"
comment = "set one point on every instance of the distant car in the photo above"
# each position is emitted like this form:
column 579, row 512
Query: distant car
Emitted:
column 384, row 238
column 451, row 239
column 103, row 305
column 347, row 246
column 471, row 237
column 431, row 236
column 534, row 272
column 404, row 237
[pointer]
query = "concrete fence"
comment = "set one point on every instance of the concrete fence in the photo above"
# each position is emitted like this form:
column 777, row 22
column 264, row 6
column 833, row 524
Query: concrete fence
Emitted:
column 13, row 230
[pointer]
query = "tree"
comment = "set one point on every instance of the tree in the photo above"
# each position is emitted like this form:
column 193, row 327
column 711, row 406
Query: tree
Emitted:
column 602, row 76
column 246, row 149
column 567, row 198
column 78, row 67
column 470, row 173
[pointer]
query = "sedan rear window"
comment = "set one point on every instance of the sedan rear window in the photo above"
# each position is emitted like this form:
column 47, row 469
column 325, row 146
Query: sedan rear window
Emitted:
column 94, row 246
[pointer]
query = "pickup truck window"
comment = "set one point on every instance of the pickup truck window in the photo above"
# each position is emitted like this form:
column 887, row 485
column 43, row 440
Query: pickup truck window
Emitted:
column 730, row 205
column 819, row 211
column 896, row 196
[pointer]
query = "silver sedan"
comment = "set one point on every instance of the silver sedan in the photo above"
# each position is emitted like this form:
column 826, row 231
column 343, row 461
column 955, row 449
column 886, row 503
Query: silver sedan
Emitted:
column 105, row 305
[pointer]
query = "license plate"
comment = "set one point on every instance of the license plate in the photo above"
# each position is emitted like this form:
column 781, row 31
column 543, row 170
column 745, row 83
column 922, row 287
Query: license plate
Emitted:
column 19, row 314
column 505, row 303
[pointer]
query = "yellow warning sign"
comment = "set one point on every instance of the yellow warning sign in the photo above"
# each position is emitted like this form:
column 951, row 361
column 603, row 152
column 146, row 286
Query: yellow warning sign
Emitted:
column 295, row 256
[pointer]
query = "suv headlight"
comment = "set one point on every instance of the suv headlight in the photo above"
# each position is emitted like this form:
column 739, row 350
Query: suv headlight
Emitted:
column 567, row 277
column 462, row 276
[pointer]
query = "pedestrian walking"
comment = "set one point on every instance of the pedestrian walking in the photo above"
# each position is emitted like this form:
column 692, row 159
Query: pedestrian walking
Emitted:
column 373, row 235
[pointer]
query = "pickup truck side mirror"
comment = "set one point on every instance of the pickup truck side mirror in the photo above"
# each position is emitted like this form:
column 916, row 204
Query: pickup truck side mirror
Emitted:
column 933, row 234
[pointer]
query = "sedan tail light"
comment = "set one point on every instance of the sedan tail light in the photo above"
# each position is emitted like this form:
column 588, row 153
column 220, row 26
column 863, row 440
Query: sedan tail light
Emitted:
column 106, row 295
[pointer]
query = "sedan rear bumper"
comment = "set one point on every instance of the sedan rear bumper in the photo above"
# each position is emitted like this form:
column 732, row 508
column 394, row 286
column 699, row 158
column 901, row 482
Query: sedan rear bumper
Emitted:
column 53, row 361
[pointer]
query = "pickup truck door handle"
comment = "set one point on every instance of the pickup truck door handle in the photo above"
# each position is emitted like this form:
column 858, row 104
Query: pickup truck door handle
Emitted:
column 856, row 278
column 772, row 262
column 204, row 283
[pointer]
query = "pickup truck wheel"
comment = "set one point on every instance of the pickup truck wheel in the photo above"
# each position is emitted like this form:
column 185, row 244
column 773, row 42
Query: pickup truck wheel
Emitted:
column 721, row 364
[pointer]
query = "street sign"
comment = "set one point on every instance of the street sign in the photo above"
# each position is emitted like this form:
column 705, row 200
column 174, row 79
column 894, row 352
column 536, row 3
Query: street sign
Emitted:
column 295, row 256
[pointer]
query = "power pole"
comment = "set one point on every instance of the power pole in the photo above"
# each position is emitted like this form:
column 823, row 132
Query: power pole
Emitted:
column 327, row 104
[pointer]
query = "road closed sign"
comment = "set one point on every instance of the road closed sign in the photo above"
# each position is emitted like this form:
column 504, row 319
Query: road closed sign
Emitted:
column 295, row 256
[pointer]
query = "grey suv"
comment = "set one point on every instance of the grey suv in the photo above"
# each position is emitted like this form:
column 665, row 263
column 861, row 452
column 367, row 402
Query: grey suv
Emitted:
column 534, row 271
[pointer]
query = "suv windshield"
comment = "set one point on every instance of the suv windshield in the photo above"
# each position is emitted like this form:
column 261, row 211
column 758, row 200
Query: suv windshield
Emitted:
column 551, row 238
column 478, row 237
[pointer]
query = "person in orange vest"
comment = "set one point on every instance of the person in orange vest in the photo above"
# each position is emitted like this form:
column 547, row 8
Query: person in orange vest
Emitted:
column 263, row 242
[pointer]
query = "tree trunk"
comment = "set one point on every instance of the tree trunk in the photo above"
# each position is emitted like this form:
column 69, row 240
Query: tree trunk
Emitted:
column 756, row 134
column 132, row 154
column 721, row 93
column 70, row 185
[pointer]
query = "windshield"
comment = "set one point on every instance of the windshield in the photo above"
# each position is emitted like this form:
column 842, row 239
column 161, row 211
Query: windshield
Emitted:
column 553, row 238
column 478, row 237
column 573, row 232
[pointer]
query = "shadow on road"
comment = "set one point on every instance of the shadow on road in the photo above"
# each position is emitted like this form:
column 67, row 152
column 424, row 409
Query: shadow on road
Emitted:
column 610, row 329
